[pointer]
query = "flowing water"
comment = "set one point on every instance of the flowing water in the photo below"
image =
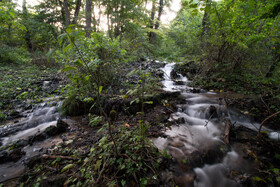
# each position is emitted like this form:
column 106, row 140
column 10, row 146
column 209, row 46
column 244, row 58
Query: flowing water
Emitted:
column 20, row 131
column 200, row 130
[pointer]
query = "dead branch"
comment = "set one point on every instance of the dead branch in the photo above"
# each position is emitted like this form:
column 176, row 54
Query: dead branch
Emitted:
column 227, row 130
column 269, row 117
column 58, row 156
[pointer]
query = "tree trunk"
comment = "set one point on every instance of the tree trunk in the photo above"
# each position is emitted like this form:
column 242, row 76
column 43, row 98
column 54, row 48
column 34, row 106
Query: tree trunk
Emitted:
column 152, row 34
column 62, row 12
column 88, row 17
column 94, row 19
column 160, row 9
column 67, row 13
column 77, row 10
column 206, row 18
column 27, row 33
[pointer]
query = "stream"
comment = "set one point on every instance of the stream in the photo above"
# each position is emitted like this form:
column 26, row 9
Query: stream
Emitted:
column 198, row 137
column 23, row 138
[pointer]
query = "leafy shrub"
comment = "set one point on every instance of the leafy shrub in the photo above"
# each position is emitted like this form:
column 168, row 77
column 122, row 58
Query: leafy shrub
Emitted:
column 13, row 54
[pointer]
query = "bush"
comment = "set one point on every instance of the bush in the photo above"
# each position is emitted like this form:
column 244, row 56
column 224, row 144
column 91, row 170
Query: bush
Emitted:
column 13, row 54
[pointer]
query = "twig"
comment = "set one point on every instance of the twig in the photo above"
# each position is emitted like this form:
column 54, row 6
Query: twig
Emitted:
column 265, row 104
column 101, row 172
column 58, row 156
column 227, row 130
column 271, row 116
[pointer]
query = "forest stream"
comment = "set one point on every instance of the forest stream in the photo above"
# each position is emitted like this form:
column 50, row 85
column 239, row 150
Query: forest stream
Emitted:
column 197, row 139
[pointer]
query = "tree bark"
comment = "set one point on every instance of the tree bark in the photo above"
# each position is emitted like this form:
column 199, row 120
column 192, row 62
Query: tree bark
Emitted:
column 153, row 15
column 153, row 35
column 160, row 9
column 88, row 17
column 27, row 33
column 77, row 10
column 206, row 18
column 62, row 12
column 67, row 13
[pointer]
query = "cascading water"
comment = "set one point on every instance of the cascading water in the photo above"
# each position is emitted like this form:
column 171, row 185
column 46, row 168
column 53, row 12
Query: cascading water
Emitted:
column 201, row 129
column 20, row 131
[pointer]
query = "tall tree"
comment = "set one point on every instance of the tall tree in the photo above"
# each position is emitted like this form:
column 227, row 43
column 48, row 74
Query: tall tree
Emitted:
column 206, row 18
column 77, row 10
column 27, row 33
column 88, row 17
column 152, row 19
column 67, row 13
column 153, row 35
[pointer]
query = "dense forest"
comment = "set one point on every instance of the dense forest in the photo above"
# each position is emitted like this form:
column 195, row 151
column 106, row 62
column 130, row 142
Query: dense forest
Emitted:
column 102, row 64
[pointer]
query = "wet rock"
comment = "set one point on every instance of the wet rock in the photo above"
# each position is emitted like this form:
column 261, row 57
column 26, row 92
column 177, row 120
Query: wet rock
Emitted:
column 159, row 73
column 179, row 82
column 174, row 74
column 185, row 180
column 52, row 130
column 4, row 157
column 213, row 112
column 16, row 154
column 213, row 155
column 37, row 138
column 195, row 90
column 61, row 126
column 181, row 120
column 195, row 159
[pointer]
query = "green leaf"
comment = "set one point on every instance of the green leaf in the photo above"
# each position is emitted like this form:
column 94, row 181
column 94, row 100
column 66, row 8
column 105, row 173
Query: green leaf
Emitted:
column 61, row 38
column 23, row 28
column 78, row 62
column 258, row 179
column 100, row 89
column 275, row 170
column 68, row 68
column 70, row 46
column 97, row 165
column 149, row 102
column 67, row 167
column 123, row 182
column 12, row 14
column 70, row 28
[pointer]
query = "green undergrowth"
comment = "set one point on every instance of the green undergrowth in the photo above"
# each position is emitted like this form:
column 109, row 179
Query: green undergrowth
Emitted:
column 20, row 82
column 136, row 163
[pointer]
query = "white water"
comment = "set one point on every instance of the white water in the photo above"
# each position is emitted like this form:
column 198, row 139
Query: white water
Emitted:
column 201, row 131
column 43, row 116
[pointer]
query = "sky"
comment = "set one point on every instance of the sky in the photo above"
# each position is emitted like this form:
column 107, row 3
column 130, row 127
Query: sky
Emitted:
column 168, row 15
